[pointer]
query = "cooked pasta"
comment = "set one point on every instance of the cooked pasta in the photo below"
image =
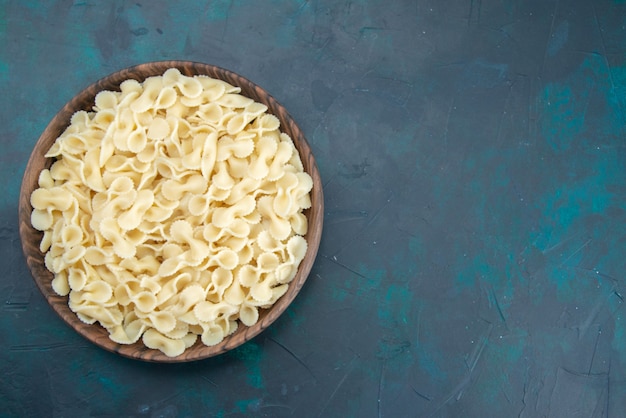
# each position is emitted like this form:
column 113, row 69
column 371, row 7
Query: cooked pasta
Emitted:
column 172, row 211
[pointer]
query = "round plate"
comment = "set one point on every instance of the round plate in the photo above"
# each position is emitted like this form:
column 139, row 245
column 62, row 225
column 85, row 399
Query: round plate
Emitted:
column 85, row 101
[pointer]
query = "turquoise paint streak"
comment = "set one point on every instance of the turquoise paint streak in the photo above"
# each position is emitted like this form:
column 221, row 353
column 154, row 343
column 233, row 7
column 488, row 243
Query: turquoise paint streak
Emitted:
column 4, row 72
column 564, row 212
column 252, row 356
column 617, row 94
column 587, row 190
column 218, row 10
column 564, row 121
column 500, row 355
column 359, row 287
column 619, row 338
column 3, row 20
column 563, row 117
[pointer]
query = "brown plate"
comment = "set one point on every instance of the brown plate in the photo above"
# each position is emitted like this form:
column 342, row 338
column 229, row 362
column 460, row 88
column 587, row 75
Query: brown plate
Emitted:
column 84, row 101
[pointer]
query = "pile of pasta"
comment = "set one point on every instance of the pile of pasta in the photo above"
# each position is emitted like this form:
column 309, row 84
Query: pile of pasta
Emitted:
column 172, row 210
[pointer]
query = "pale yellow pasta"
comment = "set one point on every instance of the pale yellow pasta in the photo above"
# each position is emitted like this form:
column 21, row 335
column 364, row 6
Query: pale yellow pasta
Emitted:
column 248, row 314
column 170, row 347
column 172, row 211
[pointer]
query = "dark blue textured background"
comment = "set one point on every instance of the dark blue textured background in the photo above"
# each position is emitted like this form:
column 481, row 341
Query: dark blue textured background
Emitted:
column 473, row 154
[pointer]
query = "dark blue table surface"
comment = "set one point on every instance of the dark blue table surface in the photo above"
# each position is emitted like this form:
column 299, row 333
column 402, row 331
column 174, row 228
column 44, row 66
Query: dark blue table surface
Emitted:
column 473, row 155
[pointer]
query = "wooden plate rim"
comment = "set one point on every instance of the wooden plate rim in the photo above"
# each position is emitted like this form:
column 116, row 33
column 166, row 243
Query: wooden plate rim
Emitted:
column 30, row 237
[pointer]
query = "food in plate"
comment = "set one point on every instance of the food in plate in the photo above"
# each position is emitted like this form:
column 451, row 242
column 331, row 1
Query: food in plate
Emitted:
column 173, row 209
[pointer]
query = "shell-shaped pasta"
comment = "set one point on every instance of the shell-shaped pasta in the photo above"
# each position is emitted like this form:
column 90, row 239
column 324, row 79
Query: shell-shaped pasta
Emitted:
column 121, row 185
column 173, row 286
column 74, row 143
column 124, row 125
column 132, row 217
column 170, row 347
column 268, row 123
column 105, row 100
column 187, row 299
column 60, row 171
column 267, row 243
column 222, row 179
column 60, row 284
column 171, row 77
column 97, row 292
column 152, row 86
column 225, row 216
column 73, row 254
column 54, row 150
column 45, row 179
column 206, row 311
column 189, row 318
column 235, row 294
column 103, row 119
column 296, row 248
column 147, row 264
column 238, row 123
column 212, row 335
column 128, row 333
column 91, row 170
column 108, row 317
column 145, row 301
column 158, row 129
column 305, row 185
column 278, row 292
column 255, row 109
column 41, row 220
column 124, row 292
column 174, row 189
column 199, row 205
column 53, row 198
column 189, row 87
column 285, row 273
column 285, row 203
column 172, row 266
column 214, row 88
column 182, row 231
column 246, row 253
column 267, row 262
column 299, row 223
column 130, row 86
column 237, row 167
column 248, row 275
column 265, row 149
column 211, row 113
column 112, row 232
column 136, row 141
column 248, row 314
column 282, row 156
column 167, row 97
column 98, row 256
column 261, row 291
column 234, row 101
column 163, row 321
column 238, row 228
column 192, row 159
column 228, row 147
column 46, row 241
column 180, row 330
column 279, row 228
column 209, row 155
column 221, row 279
column 106, row 273
column 189, row 339
column 216, row 194
column 148, row 281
